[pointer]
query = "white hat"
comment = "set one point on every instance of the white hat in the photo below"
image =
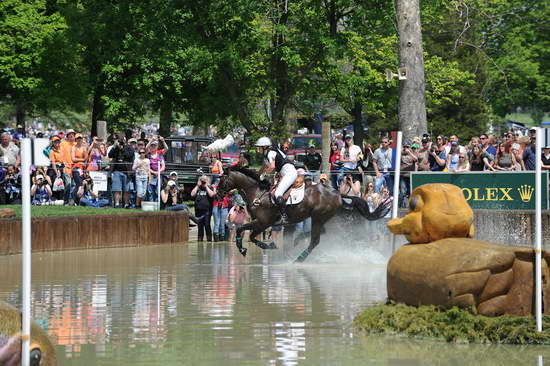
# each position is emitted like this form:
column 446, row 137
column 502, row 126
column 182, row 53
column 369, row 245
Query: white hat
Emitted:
column 171, row 183
column 263, row 141
column 39, row 176
column 174, row 173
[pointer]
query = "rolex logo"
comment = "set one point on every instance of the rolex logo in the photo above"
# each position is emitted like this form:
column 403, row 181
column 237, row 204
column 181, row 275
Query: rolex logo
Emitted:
column 525, row 192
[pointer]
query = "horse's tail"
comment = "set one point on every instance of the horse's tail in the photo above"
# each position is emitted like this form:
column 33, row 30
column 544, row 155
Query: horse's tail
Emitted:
column 359, row 204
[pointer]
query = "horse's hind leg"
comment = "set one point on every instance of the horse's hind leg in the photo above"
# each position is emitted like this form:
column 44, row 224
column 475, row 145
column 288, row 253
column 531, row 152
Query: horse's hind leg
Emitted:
column 239, row 237
column 316, row 229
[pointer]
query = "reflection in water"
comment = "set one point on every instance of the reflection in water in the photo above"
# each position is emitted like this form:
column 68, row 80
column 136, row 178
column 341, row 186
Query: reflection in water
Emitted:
column 205, row 304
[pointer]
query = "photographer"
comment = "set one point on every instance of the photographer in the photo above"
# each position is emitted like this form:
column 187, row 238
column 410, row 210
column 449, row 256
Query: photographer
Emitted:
column 122, row 157
column 11, row 185
column 237, row 217
column 41, row 191
column 86, row 194
column 169, row 200
column 204, row 201
column 350, row 187
column 437, row 157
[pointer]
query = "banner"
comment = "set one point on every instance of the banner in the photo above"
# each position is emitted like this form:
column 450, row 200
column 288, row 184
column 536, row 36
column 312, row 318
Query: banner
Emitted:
column 100, row 181
column 491, row 190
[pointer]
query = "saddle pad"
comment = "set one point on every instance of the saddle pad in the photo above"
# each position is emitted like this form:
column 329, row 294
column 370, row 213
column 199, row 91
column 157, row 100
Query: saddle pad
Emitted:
column 296, row 195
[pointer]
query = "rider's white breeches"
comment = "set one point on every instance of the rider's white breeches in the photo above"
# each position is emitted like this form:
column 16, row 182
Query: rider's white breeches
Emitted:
column 288, row 177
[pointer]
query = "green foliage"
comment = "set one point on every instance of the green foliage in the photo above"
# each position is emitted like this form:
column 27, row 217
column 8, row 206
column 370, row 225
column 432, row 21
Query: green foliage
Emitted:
column 38, row 63
column 453, row 325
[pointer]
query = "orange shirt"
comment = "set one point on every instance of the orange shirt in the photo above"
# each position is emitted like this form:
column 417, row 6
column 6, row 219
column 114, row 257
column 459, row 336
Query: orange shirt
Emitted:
column 66, row 148
column 56, row 157
column 80, row 154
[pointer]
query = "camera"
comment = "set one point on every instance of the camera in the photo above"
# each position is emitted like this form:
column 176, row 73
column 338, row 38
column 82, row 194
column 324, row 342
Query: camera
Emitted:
column 432, row 149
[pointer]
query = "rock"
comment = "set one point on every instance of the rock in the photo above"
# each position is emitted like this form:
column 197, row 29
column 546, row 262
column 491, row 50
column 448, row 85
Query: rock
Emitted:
column 443, row 266
column 437, row 211
column 496, row 279
column 7, row 213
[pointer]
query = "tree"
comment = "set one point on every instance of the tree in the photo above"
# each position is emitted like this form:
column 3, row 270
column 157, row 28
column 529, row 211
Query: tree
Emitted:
column 38, row 63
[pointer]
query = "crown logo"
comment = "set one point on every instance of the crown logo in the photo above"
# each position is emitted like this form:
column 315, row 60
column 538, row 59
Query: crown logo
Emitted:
column 525, row 192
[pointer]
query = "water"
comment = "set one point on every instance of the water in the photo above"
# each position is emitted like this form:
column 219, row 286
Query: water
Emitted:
column 203, row 304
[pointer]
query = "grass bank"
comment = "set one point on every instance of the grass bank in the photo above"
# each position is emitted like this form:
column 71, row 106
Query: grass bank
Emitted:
column 453, row 325
column 71, row 210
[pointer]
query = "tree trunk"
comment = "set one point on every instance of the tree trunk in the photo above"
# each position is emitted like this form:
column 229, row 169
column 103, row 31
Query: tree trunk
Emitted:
column 98, row 108
column 325, row 168
column 20, row 117
column 412, row 103
column 358, row 132
column 165, row 118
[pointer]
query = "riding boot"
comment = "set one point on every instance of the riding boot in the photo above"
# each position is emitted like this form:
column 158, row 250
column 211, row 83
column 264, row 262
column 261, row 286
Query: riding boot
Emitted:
column 281, row 205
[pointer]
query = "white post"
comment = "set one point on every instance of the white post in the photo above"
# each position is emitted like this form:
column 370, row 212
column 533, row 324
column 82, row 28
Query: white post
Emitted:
column 538, row 232
column 395, row 203
column 26, row 250
column 158, row 188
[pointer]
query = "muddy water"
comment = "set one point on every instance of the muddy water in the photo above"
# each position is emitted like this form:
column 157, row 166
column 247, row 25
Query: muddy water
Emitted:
column 206, row 305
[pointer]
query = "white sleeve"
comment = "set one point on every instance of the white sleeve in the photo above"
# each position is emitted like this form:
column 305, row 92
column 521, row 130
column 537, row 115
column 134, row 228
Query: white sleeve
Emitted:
column 271, row 156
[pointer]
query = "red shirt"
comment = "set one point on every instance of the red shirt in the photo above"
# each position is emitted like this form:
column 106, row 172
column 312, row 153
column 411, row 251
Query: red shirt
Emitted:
column 335, row 156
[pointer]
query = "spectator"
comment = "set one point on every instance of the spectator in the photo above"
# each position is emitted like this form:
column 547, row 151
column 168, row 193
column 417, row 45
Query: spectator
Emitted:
column 409, row 162
column 335, row 164
column 169, row 201
column 479, row 160
column 505, row 160
column 157, row 166
column 423, row 154
column 323, row 179
column 122, row 158
column 545, row 158
column 133, row 144
column 216, row 168
column 204, row 199
column 371, row 196
column 86, row 194
column 9, row 152
column 238, row 215
column 243, row 161
column 349, row 155
column 382, row 165
column 487, row 145
column 529, row 159
column 11, row 185
column 96, row 152
column 41, row 171
column 437, row 157
column 452, row 157
column 454, row 140
column 366, row 164
column 313, row 159
column 463, row 164
column 349, row 186
column 41, row 191
column 142, row 169
column 339, row 141
column 66, row 148
column 386, row 197
column 79, row 155
column 220, row 211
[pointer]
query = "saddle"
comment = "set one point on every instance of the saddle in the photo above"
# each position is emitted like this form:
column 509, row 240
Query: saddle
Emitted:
column 294, row 194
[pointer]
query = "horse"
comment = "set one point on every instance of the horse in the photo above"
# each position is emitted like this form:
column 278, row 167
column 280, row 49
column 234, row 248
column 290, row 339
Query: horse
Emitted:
column 320, row 203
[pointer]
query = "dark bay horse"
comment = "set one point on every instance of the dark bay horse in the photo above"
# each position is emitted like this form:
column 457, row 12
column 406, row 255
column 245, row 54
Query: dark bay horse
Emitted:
column 320, row 203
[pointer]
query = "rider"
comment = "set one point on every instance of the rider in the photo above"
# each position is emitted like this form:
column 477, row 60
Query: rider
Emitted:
column 276, row 160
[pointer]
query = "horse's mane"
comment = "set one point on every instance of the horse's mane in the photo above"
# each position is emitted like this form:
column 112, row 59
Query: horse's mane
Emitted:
column 251, row 173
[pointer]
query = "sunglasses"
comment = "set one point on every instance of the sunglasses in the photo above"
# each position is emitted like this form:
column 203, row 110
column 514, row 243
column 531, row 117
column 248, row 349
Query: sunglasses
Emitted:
column 142, row 152
column 483, row 138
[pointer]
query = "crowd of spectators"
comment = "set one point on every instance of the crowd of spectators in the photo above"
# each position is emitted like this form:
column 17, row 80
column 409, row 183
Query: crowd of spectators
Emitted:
column 137, row 167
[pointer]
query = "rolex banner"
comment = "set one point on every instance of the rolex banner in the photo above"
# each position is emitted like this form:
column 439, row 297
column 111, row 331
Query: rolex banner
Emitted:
column 495, row 191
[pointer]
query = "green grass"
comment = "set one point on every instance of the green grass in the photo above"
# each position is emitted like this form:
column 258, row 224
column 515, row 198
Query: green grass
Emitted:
column 453, row 325
column 71, row 210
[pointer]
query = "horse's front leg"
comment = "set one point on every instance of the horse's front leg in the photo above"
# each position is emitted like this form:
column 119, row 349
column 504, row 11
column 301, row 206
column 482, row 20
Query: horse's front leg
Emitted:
column 256, row 229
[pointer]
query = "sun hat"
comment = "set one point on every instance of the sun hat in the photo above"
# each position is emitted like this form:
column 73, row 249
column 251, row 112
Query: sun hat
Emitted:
column 78, row 136
column 171, row 183
column 173, row 173
column 70, row 130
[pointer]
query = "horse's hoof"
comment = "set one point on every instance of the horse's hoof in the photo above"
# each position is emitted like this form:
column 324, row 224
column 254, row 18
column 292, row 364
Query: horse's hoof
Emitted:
column 300, row 259
column 243, row 251
column 271, row 245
